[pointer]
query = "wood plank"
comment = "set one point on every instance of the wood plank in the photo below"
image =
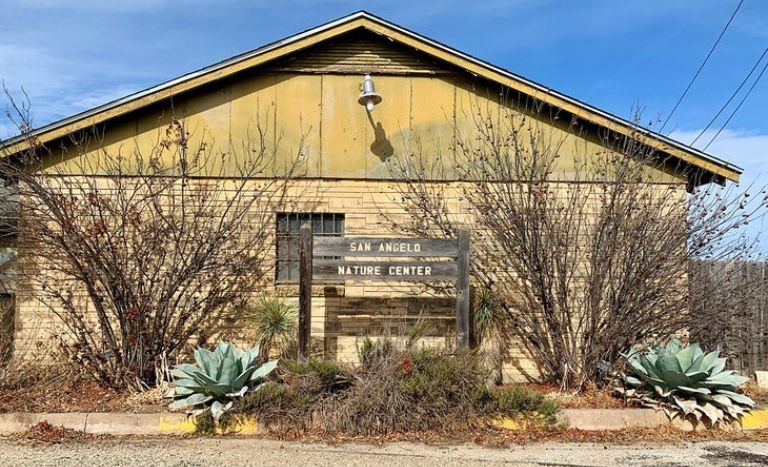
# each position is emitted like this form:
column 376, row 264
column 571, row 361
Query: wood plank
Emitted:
column 305, row 290
column 463, row 331
column 342, row 143
column 385, row 247
column 419, row 271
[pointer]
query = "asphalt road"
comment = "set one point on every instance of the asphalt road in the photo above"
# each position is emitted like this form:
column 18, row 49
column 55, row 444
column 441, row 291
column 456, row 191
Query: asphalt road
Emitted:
column 243, row 451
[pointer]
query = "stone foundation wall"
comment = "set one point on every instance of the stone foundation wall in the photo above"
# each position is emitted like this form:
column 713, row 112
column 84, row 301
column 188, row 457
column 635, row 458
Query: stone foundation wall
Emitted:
column 342, row 314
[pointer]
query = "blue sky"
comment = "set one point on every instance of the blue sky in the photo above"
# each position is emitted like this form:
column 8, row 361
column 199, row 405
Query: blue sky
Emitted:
column 71, row 55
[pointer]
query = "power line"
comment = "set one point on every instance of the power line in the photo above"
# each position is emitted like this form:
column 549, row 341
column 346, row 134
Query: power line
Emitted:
column 749, row 91
column 728, row 102
column 706, row 59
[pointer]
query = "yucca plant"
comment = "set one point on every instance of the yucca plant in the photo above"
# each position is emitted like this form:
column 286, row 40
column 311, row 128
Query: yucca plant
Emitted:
column 217, row 378
column 490, row 325
column 683, row 380
column 275, row 324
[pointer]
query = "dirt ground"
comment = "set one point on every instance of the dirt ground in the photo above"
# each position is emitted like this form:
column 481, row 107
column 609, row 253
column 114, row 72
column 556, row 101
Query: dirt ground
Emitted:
column 78, row 394
column 245, row 451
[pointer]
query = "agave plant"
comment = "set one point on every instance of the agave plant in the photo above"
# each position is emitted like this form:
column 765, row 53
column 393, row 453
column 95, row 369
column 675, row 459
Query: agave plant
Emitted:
column 217, row 378
column 683, row 380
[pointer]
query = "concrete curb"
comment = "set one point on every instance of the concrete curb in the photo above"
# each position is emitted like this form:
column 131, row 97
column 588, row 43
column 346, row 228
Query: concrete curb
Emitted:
column 175, row 423
column 97, row 423
column 613, row 419
column 117, row 423
column 622, row 419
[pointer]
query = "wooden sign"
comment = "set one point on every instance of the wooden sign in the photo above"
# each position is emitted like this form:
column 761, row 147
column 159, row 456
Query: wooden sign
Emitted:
column 456, row 269
column 385, row 247
column 335, row 269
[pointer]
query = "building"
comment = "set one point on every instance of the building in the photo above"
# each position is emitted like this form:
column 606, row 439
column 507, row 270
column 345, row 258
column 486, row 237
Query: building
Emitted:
column 303, row 94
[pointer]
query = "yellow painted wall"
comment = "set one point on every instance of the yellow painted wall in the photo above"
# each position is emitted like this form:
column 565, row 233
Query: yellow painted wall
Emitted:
column 318, row 115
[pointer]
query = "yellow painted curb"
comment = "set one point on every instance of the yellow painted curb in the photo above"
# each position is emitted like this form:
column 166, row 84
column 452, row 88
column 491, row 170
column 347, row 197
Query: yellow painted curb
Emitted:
column 755, row 420
column 506, row 423
column 242, row 426
column 174, row 425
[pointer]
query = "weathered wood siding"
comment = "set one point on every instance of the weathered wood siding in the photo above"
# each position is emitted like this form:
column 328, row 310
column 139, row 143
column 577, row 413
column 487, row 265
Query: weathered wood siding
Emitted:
column 309, row 104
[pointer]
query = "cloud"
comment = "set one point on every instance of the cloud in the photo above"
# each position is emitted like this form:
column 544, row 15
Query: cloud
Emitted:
column 58, row 85
column 106, row 5
column 746, row 148
column 749, row 150
column 33, row 67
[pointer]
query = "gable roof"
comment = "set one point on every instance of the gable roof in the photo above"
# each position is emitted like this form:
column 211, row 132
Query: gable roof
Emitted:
column 720, row 169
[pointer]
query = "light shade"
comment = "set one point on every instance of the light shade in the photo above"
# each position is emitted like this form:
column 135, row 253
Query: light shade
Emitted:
column 369, row 98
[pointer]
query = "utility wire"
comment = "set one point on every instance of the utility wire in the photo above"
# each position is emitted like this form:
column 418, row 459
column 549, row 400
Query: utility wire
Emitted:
column 706, row 59
column 728, row 102
column 749, row 91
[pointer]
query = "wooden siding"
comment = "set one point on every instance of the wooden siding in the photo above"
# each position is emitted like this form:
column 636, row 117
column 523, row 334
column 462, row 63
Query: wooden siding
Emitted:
column 360, row 52
column 318, row 114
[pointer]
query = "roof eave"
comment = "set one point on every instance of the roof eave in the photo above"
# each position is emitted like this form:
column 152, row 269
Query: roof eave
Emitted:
column 339, row 26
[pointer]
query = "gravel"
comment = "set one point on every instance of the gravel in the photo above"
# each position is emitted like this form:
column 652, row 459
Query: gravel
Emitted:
column 245, row 451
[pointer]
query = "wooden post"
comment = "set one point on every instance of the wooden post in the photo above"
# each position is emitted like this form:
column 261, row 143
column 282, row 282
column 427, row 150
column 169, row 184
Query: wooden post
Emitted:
column 305, row 290
column 462, row 292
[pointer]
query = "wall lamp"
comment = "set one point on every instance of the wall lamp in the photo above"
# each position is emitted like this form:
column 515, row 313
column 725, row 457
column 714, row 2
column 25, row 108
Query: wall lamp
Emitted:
column 368, row 97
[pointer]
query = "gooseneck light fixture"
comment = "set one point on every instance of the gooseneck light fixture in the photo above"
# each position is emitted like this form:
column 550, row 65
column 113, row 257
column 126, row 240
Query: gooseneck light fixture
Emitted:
column 368, row 97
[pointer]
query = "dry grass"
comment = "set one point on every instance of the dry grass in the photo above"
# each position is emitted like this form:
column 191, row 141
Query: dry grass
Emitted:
column 64, row 388
column 395, row 389
column 752, row 390
column 591, row 397
column 409, row 390
column 45, row 433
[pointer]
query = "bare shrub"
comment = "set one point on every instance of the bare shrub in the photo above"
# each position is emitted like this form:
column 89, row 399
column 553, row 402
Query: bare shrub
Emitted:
column 411, row 389
column 736, row 292
column 139, row 252
column 7, row 330
column 586, row 251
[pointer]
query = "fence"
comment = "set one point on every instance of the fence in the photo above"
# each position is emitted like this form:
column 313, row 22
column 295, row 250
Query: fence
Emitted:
column 738, row 293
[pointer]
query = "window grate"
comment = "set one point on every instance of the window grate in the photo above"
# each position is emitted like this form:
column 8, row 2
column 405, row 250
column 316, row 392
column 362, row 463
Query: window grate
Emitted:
column 287, row 235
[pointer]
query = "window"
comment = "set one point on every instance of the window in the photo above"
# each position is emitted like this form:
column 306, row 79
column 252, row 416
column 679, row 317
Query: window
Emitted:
column 288, row 227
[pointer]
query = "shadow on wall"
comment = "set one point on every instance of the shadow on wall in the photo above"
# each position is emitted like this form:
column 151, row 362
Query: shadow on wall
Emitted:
column 381, row 145
column 7, row 328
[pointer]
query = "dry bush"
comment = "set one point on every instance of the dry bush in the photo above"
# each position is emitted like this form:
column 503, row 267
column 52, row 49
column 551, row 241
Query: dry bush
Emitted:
column 396, row 391
column 586, row 251
column 290, row 401
column 141, row 251
column 400, row 387
column 409, row 389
